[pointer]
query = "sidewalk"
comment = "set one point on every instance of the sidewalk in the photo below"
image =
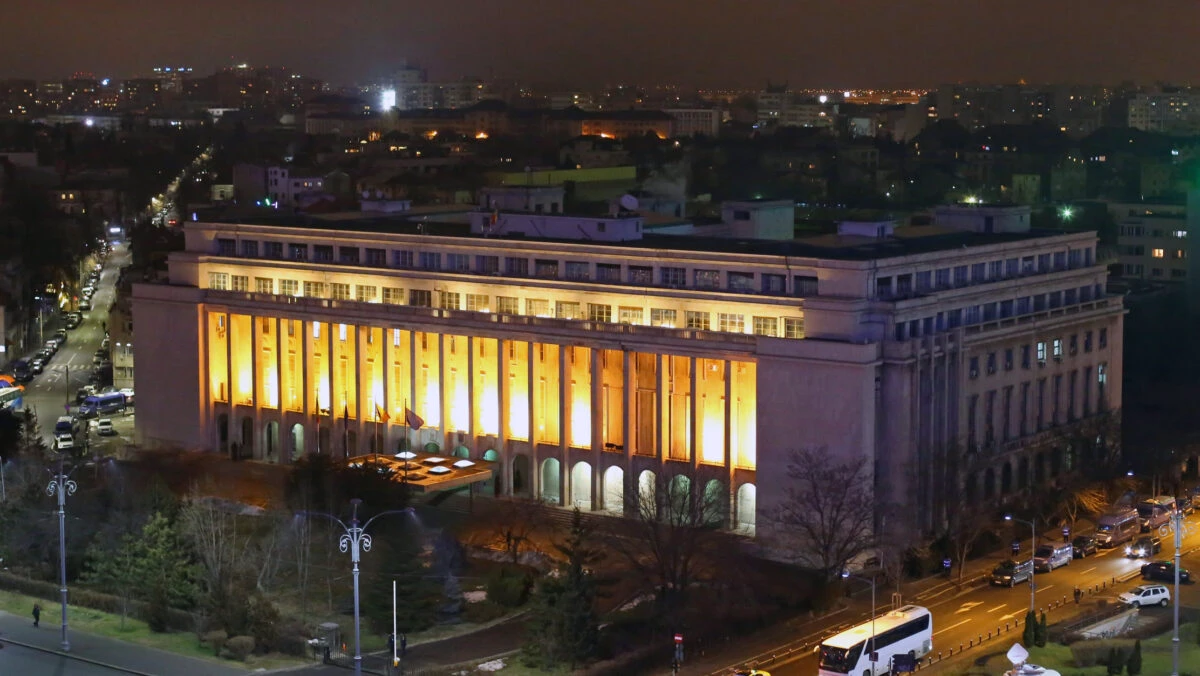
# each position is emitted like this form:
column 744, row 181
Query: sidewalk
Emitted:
column 497, row 639
column 105, row 652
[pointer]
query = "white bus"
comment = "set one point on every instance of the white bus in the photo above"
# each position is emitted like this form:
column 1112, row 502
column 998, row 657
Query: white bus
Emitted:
column 907, row 631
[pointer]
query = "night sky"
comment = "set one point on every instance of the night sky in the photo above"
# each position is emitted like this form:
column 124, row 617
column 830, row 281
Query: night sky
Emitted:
column 735, row 43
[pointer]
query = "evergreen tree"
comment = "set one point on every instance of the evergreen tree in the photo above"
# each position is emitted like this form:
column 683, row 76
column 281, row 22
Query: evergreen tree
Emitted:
column 1116, row 662
column 417, row 593
column 168, row 575
column 1030, row 633
column 1041, row 632
column 117, row 571
column 31, row 444
column 565, row 628
column 1134, row 666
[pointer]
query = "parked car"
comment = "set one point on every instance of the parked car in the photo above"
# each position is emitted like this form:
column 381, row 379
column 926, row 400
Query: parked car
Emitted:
column 1146, row 595
column 37, row 365
column 128, row 392
column 84, row 392
column 61, row 335
column 73, row 320
column 1164, row 571
column 1084, row 545
column 1143, row 547
column 1184, row 504
column 64, row 442
column 104, row 427
column 45, row 354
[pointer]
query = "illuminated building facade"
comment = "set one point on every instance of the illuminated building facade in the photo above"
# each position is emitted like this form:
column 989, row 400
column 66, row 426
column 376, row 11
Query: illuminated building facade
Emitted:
column 614, row 354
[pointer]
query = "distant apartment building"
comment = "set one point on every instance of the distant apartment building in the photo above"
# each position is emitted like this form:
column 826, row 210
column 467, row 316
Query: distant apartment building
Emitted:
column 688, row 122
column 1166, row 111
column 1152, row 241
column 288, row 186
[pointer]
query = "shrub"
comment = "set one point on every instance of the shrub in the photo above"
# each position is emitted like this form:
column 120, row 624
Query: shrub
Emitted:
column 216, row 641
column 292, row 644
column 1116, row 662
column 1133, row 666
column 508, row 588
column 484, row 611
column 238, row 648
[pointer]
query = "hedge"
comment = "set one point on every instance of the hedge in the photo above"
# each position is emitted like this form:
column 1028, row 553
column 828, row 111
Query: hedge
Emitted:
column 177, row 620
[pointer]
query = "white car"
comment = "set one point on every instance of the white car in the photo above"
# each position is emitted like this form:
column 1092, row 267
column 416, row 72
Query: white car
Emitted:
column 1146, row 595
column 104, row 427
column 128, row 392
column 64, row 442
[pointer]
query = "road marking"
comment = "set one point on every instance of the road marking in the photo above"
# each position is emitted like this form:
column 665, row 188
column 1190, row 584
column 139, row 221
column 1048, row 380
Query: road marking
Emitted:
column 1046, row 588
column 951, row 627
column 1008, row 616
column 1084, row 572
column 999, row 607
column 968, row 606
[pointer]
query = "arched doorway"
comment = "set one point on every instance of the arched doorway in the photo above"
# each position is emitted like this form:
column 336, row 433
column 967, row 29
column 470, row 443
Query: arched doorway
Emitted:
column 270, row 446
column 679, row 501
column 1006, row 479
column 715, row 504
column 647, row 501
column 324, row 441
column 551, row 485
column 297, row 441
column 989, row 484
column 223, row 433
column 747, row 497
column 1023, row 473
column 614, row 490
column 495, row 485
column 581, row 486
column 462, row 452
column 432, row 447
column 246, row 445
column 521, row 476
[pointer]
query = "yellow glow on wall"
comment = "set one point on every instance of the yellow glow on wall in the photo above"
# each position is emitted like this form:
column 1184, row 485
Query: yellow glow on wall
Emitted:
column 489, row 409
column 431, row 413
column 518, row 410
column 272, row 385
column 460, row 411
column 581, row 417
column 323, row 391
column 218, row 365
column 243, row 359
column 712, row 439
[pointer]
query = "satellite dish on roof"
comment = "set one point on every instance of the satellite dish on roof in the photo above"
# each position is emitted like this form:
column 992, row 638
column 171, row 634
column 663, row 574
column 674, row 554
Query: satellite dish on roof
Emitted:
column 629, row 202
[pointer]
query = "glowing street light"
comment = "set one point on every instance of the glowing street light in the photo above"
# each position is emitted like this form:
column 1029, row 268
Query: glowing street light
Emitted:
column 1066, row 213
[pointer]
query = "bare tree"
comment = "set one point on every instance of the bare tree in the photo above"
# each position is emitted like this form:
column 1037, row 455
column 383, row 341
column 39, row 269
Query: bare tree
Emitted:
column 675, row 526
column 827, row 514
column 513, row 525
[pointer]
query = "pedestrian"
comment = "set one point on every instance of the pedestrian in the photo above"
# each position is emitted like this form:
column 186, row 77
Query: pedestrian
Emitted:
column 1078, row 594
column 37, row 614
column 403, row 645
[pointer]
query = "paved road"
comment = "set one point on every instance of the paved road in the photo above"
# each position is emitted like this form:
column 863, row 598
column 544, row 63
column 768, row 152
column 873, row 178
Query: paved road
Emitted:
column 961, row 618
column 17, row 660
column 71, row 367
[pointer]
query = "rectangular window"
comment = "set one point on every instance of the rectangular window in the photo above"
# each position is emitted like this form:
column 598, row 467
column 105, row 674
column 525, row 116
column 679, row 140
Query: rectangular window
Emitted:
column 366, row 294
column 942, row 278
column 608, row 272
column 978, row 272
column 240, row 283
column 537, row 307
column 429, row 260
column 578, row 270
column 1024, row 413
column 641, row 275
column 250, row 248
column 289, row 287
column 766, row 326
column 991, row 363
column 697, row 320
column 995, row 270
column 1012, row 267
column 339, row 291
column 883, row 287
column 741, row 282
column 1158, row 253
column 226, row 247
column 393, row 295
column 1041, row 353
column 478, row 302
column 342, row 333
column 1087, row 391
column 1058, row 348
column 793, row 327
column 567, row 310
column 1073, row 345
column 273, row 249
column 731, row 323
column 664, row 318
column 1103, row 338
column 972, row 422
column 1087, row 342
column 402, row 259
column 804, row 285
column 377, row 258
column 1072, row 389
column 1025, row 362
column 707, row 279
column 599, row 312
column 316, row 290
column 973, row 368
column 487, row 265
column 629, row 315
column 773, row 285
column 457, row 262
column 672, row 276
column 1043, row 262
column 924, row 281
column 1023, row 305
column 516, row 267
column 1060, row 260
column 218, row 281
column 1008, row 359
column 349, row 255
column 545, row 268
column 508, row 305
column 448, row 300
column 420, row 298
column 1040, row 419
column 264, row 285
column 960, row 275
column 323, row 253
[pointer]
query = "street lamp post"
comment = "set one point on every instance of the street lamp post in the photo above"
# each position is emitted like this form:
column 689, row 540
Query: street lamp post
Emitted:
column 61, row 485
column 1032, row 568
column 355, row 540
column 846, row 574
column 1177, row 521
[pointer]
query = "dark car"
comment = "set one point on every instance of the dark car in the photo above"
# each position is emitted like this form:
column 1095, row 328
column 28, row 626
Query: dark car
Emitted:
column 1144, row 547
column 1084, row 545
column 1184, row 504
column 1164, row 571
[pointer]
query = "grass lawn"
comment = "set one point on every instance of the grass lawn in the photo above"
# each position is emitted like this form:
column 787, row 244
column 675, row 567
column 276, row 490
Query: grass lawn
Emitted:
column 107, row 625
column 1156, row 657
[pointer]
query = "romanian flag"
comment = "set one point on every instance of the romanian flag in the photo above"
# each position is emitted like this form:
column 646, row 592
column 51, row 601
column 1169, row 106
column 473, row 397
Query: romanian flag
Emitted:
column 381, row 414
column 412, row 419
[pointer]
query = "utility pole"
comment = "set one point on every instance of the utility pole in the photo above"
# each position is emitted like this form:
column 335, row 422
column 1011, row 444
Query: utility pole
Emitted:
column 1177, row 522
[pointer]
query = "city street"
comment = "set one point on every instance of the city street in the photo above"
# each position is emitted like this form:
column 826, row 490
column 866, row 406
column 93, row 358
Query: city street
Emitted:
column 960, row 619
column 19, row 660
column 52, row 390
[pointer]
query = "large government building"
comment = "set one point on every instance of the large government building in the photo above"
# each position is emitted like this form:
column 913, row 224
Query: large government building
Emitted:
column 585, row 358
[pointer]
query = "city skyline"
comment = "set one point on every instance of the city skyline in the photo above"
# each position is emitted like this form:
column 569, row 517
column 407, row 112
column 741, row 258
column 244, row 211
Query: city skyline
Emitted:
column 872, row 44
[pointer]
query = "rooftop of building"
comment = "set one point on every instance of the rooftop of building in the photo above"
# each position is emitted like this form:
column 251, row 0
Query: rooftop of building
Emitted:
column 906, row 241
